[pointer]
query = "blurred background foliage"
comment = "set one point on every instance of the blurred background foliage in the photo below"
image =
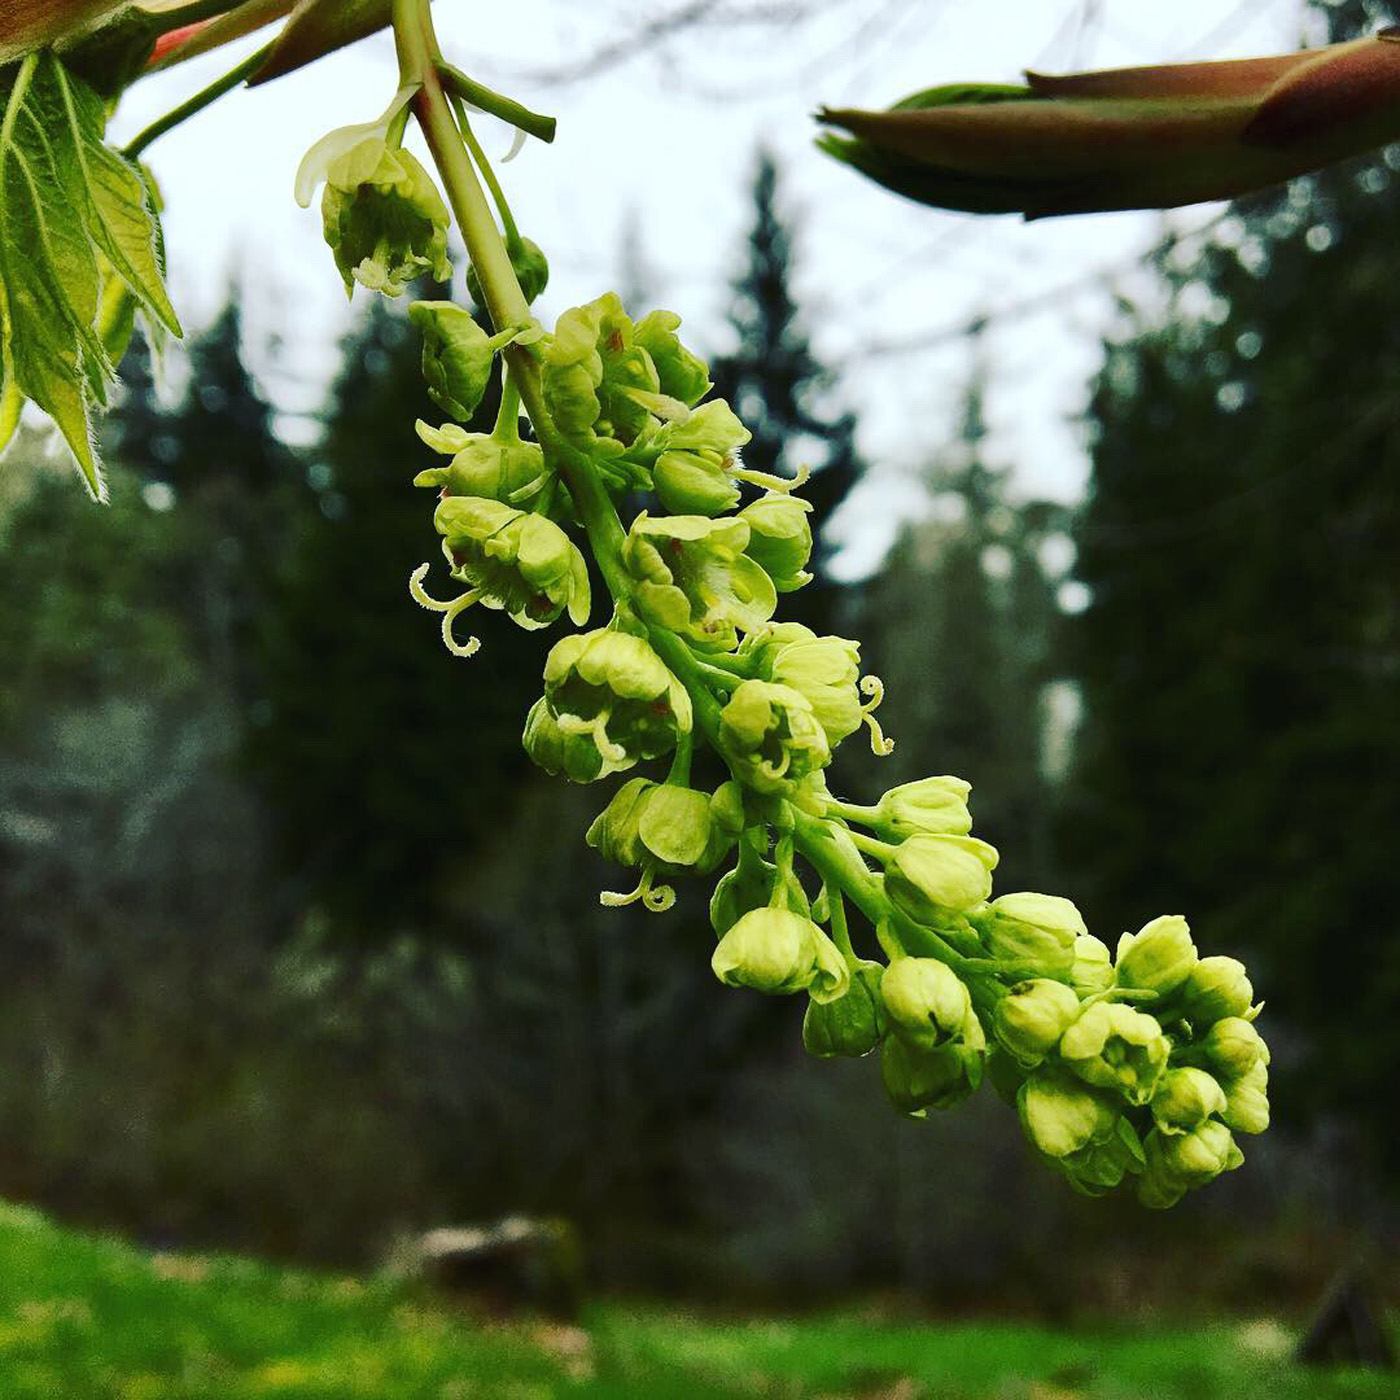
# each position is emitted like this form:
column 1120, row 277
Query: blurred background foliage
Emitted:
column 298, row 952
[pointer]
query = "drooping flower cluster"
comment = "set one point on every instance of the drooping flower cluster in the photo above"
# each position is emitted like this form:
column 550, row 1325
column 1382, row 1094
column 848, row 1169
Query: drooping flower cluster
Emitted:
column 1137, row 1068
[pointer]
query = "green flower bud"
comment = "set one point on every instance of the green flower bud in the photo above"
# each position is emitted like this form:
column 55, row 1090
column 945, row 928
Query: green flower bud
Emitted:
column 852, row 1025
column 712, row 432
column 1092, row 970
column 457, row 355
column 932, row 806
column 694, row 579
column 924, row 998
column 384, row 219
column 523, row 564
column 778, row 951
column 675, row 825
column 1159, row 958
column 929, row 876
column 1247, row 1101
column 662, row 828
column 597, row 382
column 1198, row 1157
column 1185, row 1098
column 1030, row 1019
column 1214, row 989
column 827, row 671
column 770, row 736
column 574, row 755
column 727, row 820
column 688, row 484
column 613, row 689
column 693, row 460
column 1157, row 1188
column 780, row 538
column 1096, row 1169
column 1061, row 1116
column 1034, row 932
column 683, row 375
column 1233, row 1047
column 616, row 831
column 1112, row 1046
column 531, row 269
column 747, row 887
column 487, row 467
column 919, row 1077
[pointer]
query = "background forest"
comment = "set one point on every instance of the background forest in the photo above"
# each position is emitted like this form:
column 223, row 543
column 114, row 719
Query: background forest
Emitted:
column 276, row 969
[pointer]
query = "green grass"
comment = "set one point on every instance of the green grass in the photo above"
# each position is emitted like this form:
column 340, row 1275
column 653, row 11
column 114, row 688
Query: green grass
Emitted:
column 85, row 1318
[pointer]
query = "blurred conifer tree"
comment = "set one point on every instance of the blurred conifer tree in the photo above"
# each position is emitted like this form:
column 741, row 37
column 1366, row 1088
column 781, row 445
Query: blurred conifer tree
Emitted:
column 781, row 390
column 1240, row 659
column 385, row 758
column 961, row 622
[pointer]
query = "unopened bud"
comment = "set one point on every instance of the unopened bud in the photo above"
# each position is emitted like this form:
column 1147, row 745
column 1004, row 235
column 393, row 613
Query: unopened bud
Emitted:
column 918, row 1078
column 1030, row 1019
column 1061, row 1116
column 1159, row 958
column 925, row 998
column 1035, row 932
column 778, row 951
column 1216, row 988
column 1185, row 1098
column 1233, row 1047
column 1247, row 1101
column 853, row 1024
column 928, row 876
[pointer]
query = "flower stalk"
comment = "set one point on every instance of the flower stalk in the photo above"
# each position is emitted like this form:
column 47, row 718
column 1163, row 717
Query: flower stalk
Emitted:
column 694, row 654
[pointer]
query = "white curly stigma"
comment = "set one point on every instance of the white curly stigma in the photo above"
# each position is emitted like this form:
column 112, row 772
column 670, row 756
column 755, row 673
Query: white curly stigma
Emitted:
column 874, row 687
column 450, row 611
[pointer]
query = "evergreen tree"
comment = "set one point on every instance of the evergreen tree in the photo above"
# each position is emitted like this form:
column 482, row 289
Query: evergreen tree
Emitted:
column 1240, row 660
column 961, row 622
column 384, row 757
column 781, row 390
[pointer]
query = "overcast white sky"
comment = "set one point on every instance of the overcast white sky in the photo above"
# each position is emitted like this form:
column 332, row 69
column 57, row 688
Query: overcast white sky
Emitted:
column 664, row 140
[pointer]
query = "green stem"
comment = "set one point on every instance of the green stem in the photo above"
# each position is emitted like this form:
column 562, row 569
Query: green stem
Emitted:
column 197, row 103
column 840, row 931
column 419, row 61
column 881, row 850
column 852, row 811
column 487, row 174
column 507, row 426
column 497, row 105
column 680, row 760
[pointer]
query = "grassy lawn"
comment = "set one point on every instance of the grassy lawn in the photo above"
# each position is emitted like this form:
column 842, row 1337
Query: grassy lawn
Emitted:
column 84, row 1317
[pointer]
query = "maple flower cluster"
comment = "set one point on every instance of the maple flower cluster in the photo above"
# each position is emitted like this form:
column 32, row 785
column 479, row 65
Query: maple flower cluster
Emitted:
column 1138, row 1067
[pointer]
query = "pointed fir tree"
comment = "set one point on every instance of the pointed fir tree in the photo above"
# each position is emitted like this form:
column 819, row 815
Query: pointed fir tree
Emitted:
column 962, row 618
column 385, row 759
column 781, row 390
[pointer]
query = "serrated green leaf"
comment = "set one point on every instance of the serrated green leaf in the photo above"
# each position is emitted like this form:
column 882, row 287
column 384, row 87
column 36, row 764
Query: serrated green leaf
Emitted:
column 48, row 267
column 119, row 216
column 71, row 210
